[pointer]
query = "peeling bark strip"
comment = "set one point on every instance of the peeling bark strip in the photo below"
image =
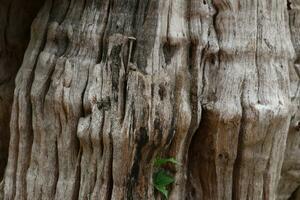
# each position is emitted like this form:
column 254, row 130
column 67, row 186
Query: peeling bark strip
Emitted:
column 106, row 86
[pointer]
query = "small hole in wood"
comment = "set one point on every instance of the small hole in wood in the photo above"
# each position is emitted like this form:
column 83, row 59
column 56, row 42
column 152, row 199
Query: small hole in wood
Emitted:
column 223, row 156
column 213, row 62
column 162, row 91
column 169, row 51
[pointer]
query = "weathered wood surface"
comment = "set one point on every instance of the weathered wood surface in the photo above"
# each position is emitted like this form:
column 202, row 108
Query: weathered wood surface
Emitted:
column 15, row 20
column 108, row 85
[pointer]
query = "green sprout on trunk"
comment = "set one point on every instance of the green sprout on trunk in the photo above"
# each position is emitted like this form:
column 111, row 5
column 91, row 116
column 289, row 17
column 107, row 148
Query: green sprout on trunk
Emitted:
column 162, row 179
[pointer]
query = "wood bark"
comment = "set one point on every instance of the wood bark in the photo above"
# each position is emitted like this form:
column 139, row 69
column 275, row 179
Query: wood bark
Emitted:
column 107, row 86
column 15, row 19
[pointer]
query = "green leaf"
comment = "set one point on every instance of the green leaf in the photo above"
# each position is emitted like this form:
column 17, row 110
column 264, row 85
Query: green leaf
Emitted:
column 161, row 161
column 163, row 190
column 162, row 178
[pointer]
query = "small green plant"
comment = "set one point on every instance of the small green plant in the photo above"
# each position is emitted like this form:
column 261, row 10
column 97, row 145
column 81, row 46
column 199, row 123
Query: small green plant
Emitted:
column 162, row 178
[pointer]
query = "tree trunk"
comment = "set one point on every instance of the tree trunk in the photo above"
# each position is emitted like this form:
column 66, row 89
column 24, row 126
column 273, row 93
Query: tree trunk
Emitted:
column 108, row 86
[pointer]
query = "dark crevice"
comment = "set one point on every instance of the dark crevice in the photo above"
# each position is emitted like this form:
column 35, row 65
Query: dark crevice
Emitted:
column 162, row 91
column 78, row 175
column 141, row 141
column 295, row 195
column 169, row 51
column 56, row 164
column 237, row 163
column 289, row 7
column 110, row 175
column 199, row 157
column 84, row 91
column 7, row 24
column 240, row 147
column 124, row 91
